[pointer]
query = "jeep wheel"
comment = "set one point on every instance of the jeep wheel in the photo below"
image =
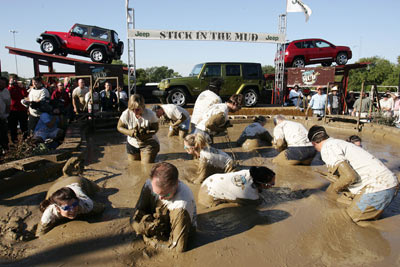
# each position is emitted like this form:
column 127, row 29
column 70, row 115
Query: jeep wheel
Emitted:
column 326, row 64
column 250, row 97
column 97, row 55
column 341, row 58
column 178, row 97
column 48, row 46
column 298, row 62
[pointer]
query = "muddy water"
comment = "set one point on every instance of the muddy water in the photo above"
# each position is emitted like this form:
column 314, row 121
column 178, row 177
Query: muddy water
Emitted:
column 295, row 226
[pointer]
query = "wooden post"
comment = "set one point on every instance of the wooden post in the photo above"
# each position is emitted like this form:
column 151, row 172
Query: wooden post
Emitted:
column 359, row 110
column 326, row 101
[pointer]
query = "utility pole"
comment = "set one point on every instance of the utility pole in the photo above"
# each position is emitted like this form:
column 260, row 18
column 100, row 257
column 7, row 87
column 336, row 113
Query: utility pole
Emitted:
column 16, row 64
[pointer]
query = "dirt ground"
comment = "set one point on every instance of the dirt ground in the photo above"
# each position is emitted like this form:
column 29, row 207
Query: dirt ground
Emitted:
column 295, row 226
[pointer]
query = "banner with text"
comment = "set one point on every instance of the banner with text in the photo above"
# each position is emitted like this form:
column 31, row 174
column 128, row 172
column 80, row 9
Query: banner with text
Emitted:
column 206, row 36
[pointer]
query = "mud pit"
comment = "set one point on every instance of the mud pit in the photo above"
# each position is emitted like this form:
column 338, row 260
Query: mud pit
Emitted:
column 296, row 226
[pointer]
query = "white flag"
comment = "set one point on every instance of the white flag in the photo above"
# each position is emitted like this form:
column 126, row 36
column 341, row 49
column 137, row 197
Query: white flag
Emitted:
column 298, row 6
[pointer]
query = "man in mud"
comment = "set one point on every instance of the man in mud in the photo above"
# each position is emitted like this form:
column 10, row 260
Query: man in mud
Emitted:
column 166, row 211
column 177, row 116
column 290, row 139
column 371, row 185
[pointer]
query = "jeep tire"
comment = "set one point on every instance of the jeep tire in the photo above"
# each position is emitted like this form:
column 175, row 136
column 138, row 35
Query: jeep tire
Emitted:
column 341, row 58
column 250, row 97
column 97, row 55
column 48, row 46
column 298, row 62
column 177, row 96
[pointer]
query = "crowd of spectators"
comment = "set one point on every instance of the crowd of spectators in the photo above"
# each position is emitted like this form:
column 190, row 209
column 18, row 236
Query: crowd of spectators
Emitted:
column 40, row 111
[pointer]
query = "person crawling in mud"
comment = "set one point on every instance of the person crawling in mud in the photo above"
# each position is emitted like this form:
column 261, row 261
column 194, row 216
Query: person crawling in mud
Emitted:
column 255, row 135
column 215, row 119
column 66, row 199
column 290, row 139
column 242, row 187
column 166, row 210
column 177, row 116
column 355, row 139
column 210, row 160
column 140, row 125
column 371, row 184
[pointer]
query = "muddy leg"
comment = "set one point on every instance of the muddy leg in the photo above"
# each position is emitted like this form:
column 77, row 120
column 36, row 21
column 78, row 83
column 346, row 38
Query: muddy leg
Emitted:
column 133, row 157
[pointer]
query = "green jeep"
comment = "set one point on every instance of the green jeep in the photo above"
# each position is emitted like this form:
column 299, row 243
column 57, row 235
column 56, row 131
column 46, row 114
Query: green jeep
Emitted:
column 236, row 77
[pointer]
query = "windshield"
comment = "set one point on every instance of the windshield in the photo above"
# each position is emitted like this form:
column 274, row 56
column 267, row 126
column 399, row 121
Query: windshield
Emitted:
column 196, row 70
column 115, row 37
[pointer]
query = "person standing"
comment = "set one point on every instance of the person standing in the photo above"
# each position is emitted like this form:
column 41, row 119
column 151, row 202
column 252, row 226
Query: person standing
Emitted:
column 318, row 103
column 350, row 100
column 92, row 101
column 122, row 98
column 371, row 184
column 38, row 95
column 295, row 96
column 18, row 112
column 5, row 103
column 334, row 100
column 60, row 94
column 387, row 105
column 78, row 97
column 365, row 104
column 108, row 98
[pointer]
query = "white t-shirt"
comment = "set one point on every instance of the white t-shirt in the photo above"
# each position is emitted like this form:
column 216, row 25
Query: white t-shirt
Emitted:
column 215, row 157
column 293, row 94
column 374, row 175
column 231, row 186
column 388, row 104
column 80, row 93
column 51, row 213
column 174, row 112
column 203, row 102
column 183, row 199
column 129, row 119
column 37, row 95
column 294, row 133
column 213, row 110
column 5, row 100
column 96, row 101
column 254, row 129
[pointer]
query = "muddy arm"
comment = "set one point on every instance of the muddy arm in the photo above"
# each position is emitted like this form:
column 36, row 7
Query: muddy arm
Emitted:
column 216, row 123
column 146, row 133
column 43, row 229
column 201, row 172
column 178, row 122
column 241, row 139
column 122, row 128
column 280, row 145
column 180, row 229
column 347, row 176
column 265, row 136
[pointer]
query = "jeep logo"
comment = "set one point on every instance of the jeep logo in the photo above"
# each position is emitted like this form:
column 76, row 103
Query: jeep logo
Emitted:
column 142, row 34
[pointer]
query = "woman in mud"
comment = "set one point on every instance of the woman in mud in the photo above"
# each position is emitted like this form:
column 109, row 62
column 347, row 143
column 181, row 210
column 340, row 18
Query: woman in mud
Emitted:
column 242, row 187
column 211, row 160
column 66, row 199
column 255, row 135
column 140, row 125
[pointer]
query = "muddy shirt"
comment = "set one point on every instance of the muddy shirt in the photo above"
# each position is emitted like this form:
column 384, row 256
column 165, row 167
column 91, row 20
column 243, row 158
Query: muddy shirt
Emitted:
column 175, row 112
column 37, row 95
column 294, row 133
column 129, row 119
column 51, row 214
column 374, row 176
column 213, row 110
column 215, row 157
column 231, row 186
column 203, row 102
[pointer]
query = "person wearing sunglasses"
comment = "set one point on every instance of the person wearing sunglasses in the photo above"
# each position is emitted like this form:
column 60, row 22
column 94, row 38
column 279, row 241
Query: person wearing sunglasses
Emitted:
column 165, row 213
column 67, row 198
column 177, row 116
column 210, row 159
column 140, row 125
column 255, row 135
column 242, row 187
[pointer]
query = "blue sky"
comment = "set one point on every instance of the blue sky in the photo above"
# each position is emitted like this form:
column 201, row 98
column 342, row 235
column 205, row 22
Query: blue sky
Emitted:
column 369, row 27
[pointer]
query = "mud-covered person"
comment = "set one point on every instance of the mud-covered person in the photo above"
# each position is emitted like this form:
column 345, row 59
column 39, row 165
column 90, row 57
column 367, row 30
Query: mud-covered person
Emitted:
column 210, row 159
column 355, row 139
column 242, row 187
column 178, row 117
column 290, row 139
column 371, row 184
column 166, row 210
column 140, row 125
column 255, row 135
column 205, row 100
column 215, row 120
column 67, row 198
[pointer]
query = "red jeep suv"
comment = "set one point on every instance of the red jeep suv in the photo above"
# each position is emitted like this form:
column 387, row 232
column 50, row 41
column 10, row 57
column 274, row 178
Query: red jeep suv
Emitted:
column 101, row 45
column 299, row 53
